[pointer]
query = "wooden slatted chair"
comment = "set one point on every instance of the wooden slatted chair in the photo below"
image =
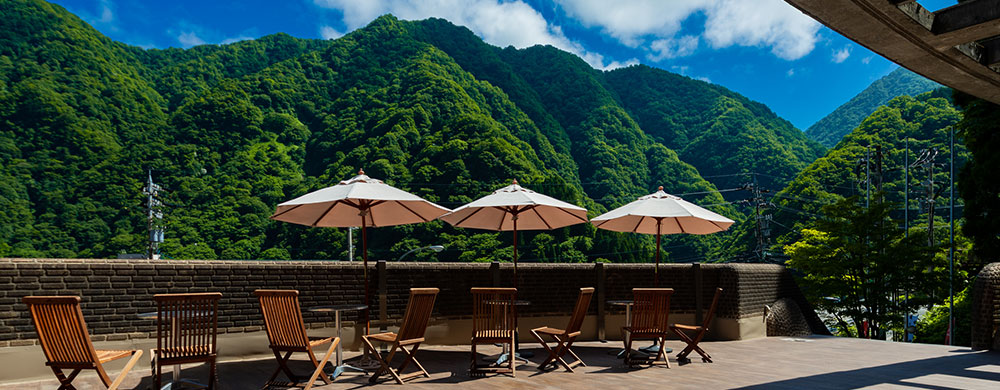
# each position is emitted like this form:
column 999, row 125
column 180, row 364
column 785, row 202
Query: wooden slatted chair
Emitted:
column 286, row 332
column 650, row 313
column 493, row 321
column 411, row 334
column 186, row 329
column 564, row 337
column 698, row 331
column 62, row 332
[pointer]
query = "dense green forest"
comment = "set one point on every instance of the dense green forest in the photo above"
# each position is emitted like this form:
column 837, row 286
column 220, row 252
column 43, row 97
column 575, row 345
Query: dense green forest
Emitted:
column 831, row 128
column 232, row 130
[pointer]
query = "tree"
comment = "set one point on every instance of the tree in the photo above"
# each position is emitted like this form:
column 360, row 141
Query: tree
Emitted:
column 977, row 184
column 856, row 259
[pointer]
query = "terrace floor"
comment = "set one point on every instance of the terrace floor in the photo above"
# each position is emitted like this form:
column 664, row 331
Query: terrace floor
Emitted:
column 772, row 363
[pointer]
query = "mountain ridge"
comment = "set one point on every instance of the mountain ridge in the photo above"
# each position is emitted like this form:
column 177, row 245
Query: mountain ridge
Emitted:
column 234, row 129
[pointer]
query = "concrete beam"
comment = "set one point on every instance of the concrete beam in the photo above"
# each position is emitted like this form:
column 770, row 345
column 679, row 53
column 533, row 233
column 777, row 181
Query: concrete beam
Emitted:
column 967, row 22
column 901, row 32
column 990, row 54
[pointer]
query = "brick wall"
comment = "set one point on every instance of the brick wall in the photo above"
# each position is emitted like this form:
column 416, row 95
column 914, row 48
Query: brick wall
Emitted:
column 986, row 308
column 114, row 291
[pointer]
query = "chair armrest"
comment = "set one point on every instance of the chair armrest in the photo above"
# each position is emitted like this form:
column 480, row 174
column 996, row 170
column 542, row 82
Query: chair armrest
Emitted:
column 128, row 367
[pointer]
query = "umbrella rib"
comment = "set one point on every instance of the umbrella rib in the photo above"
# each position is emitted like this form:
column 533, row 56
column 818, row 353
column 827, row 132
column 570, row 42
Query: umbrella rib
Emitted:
column 283, row 212
column 535, row 209
column 411, row 211
column 679, row 226
column 567, row 212
column 636, row 228
column 716, row 225
column 505, row 211
column 468, row 216
column 324, row 214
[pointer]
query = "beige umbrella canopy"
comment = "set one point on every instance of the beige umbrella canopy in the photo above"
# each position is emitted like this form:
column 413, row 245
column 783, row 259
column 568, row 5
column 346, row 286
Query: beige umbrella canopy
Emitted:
column 660, row 213
column 514, row 208
column 358, row 202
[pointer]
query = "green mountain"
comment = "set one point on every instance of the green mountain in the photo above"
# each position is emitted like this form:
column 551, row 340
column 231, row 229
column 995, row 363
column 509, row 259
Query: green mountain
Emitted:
column 829, row 130
column 920, row 123
column 232, row 130
column 717, row 130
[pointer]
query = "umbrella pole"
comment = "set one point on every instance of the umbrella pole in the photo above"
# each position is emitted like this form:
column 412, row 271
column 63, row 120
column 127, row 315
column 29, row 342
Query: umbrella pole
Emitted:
column 515, row 251
column 656, row 271
column 364, row 256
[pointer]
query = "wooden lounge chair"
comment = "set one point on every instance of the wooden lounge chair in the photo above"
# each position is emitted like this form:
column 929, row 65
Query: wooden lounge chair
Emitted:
column 186, row 328
column 650, row 313
column 411, row 333
column 286, row 333
column 699, row 333
column 66, row 343
column 564, row 337
column 493, row 321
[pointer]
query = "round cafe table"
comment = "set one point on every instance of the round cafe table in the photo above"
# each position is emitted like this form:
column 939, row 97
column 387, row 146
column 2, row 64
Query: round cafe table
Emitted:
column 336, row 309
column 518, row 355
column 175, row 374
column 628, row 322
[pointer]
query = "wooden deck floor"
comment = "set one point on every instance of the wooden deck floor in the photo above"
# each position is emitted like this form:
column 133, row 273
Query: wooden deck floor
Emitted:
column 767, row 363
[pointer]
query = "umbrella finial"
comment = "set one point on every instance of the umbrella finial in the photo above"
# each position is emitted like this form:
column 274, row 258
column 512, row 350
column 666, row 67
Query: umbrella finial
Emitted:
column 515, row 182
column 660, row 189
column 361, row 171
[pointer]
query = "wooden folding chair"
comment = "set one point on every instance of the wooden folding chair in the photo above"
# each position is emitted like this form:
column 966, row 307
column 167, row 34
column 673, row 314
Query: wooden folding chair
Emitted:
column 411, row 333
column 564, row 337
column 493, row 321
column 66, row 343
column 650, row 313
column 186, row 329
column 699, row 333
column 286, row 333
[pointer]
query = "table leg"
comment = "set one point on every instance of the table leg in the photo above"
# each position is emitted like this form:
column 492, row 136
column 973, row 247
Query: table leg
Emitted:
column 628, row 322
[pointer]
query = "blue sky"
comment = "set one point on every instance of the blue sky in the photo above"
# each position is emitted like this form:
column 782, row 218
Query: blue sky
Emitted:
column 764, row 49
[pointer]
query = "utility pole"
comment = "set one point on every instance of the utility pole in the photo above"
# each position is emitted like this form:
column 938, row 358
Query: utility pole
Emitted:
column 763, row 229
column 350, row 244
column 906, row 232
column 868, row 176
column 951, row 241
column 154, row 216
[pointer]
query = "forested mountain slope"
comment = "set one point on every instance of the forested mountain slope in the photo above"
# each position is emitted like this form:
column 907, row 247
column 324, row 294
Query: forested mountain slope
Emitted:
column 232, row 130
column 829, row 130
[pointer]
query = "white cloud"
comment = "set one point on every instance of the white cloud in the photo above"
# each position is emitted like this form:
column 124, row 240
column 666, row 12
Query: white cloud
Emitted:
column 107, row 16
column 501, row 23
column 328, row 32
column 842, row 54
column 671, row 48
column 704, row 78
column 641, row 23
column 630, row 21
column 791, row 72
column 866, row 60
column 234, row 40
column 189, row 38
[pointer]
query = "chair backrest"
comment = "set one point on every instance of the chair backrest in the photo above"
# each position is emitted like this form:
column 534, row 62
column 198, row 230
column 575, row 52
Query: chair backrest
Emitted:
column 493, row 311
column 186, row 324
column 62, row 331
column 283, row 318
column 711, row 309
column 580, row 310
column 418, row 313
column 651, row 309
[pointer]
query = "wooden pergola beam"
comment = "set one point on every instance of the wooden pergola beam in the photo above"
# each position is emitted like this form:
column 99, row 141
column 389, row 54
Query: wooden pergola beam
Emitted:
column 966, row 22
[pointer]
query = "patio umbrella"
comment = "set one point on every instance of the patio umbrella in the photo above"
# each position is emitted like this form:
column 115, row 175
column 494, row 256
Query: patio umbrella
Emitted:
column 359, row 202
column 514, row 208
column 660, row 213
